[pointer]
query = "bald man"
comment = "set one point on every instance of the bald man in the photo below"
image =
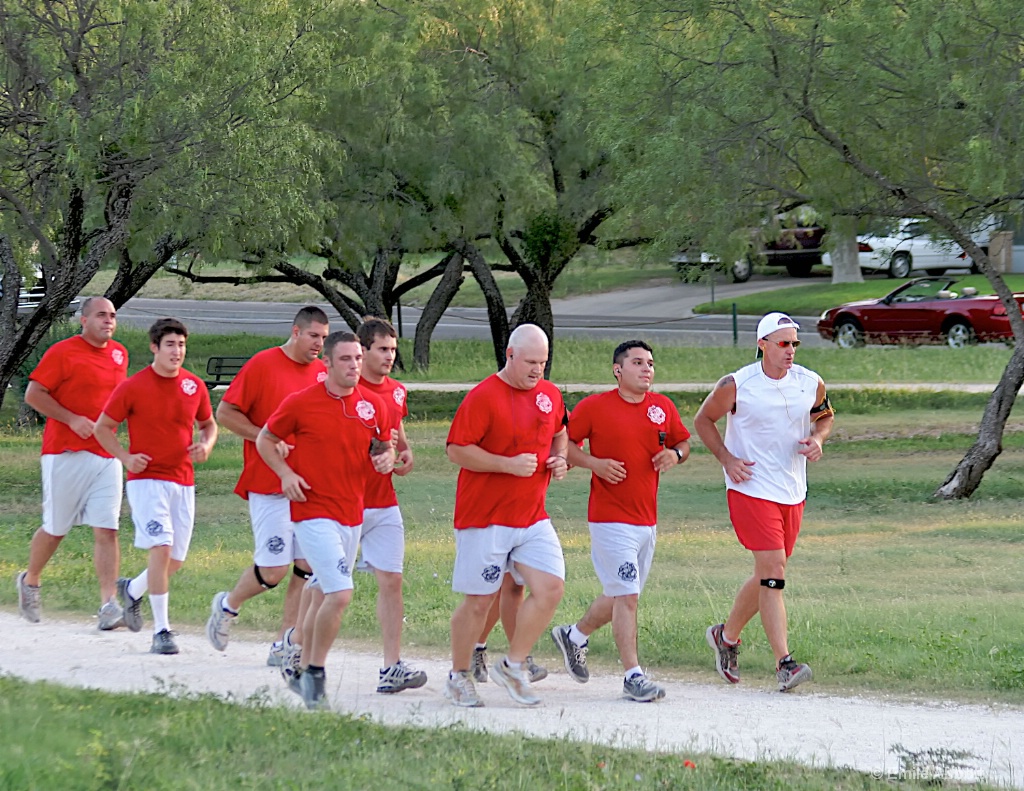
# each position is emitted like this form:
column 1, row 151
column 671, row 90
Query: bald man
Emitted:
column 81, row 481
column 509, row 439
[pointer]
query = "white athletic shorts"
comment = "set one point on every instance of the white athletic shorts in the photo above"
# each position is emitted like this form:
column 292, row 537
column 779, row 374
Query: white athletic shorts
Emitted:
column 273, row 530
column 622, row 556
column 382, row 544
column 330, row 550
column 80, row 488
column 483, row 555
column 164, row 514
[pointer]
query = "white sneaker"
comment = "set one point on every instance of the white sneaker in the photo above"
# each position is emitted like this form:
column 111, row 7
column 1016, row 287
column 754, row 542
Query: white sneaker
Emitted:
column 517, row 682
column 111, row 616
column 28, row 598
column 460, row 691
column 218, row 625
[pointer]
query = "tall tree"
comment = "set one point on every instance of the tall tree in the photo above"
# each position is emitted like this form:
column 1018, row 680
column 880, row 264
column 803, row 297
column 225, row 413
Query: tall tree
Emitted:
column 132, row 130
column 909, row 109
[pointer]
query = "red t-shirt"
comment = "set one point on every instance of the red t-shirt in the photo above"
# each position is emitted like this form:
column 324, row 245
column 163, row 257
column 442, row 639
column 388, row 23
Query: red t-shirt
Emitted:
column 332, row 444
column 264, row 382
column 506, row 421
column 380, row 490
column 627, row 433
column 80, row 377
column 161, row 412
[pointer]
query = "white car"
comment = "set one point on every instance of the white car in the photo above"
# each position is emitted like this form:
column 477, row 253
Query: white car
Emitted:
column 908, row 249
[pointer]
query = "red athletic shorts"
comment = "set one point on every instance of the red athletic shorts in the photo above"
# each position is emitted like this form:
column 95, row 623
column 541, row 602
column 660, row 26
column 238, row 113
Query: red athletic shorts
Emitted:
column 762, row 525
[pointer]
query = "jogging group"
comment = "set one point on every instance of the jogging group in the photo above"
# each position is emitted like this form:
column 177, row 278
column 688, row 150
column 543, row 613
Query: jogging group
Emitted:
column 322, row 423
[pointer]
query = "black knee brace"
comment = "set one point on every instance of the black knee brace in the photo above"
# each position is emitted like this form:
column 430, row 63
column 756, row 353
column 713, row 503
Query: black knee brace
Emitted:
column 301, row 574
column 259, row 578
column 773, row 583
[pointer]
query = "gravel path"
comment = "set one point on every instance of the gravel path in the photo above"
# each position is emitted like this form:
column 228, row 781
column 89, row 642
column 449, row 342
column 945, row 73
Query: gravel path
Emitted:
column 749, row 721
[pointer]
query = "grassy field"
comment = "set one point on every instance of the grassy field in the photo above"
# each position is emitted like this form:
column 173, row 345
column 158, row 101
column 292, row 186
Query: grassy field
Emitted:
column 590, row 272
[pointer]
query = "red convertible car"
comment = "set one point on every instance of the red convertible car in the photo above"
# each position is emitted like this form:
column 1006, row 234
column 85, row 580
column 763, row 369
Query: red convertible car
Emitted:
column 924, row 310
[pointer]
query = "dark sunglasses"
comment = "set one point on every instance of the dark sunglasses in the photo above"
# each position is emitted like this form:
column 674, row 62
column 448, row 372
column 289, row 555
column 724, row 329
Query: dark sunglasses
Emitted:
column 787, row 344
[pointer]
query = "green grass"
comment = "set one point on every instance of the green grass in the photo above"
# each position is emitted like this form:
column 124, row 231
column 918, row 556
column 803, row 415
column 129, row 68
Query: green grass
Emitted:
column 52, row 737
column 812, row 298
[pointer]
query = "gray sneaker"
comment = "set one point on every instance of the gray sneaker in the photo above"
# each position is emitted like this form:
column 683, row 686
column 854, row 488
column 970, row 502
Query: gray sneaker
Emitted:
column 290, row 664
column 516, row 682
column 480, row 665
column 537, row 672
column 279, row 648
column 460, row 691
column 28, row 599
column 791, row 673
column 111, row 616
column 642, row 689
column 132, row 607
column 726, row 656
column 163, row 643
column 400, row 676
column 574, row 656
column 218, row 625
column 313, row 690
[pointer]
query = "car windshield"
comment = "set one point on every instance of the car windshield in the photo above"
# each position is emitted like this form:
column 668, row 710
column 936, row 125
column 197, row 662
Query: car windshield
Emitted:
column 921, row 290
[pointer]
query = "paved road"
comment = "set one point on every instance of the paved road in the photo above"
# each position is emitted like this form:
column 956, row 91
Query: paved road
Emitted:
column 663, row 314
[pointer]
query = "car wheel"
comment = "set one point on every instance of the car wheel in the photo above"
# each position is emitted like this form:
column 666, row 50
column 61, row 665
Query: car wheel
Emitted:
column 741, row 270
column 960, row 334
column 935, row 272
column 848, row 334
column 799, row 270
column 899, row 265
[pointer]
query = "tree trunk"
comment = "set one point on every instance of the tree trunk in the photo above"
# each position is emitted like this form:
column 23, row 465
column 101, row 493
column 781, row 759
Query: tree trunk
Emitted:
column 535, row 308
column 966, row 477
column 437, row 304
column 496, row 312
column 845, row 259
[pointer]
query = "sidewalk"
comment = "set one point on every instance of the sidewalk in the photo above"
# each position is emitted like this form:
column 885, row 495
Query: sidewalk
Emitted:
column 706, row 387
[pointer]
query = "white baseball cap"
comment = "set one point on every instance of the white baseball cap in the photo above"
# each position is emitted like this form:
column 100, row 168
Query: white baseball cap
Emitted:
column 773, row 322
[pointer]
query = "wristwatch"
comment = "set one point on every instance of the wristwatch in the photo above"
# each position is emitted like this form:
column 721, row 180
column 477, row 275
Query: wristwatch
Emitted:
column 679, row 454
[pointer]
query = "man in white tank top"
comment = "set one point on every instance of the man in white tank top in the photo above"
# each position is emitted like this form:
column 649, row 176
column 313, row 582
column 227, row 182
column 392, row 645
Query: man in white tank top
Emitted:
column 778, row 417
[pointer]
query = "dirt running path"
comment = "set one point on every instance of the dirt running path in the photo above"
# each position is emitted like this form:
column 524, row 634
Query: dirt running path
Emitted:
column 751, row 721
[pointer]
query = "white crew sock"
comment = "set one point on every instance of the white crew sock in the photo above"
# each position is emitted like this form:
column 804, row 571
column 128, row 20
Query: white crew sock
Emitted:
column 578, row 638
column 158, row 602
column 137, row 587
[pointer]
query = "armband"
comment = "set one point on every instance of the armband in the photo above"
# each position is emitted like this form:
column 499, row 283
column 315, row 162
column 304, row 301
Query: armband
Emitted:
column 824, row 409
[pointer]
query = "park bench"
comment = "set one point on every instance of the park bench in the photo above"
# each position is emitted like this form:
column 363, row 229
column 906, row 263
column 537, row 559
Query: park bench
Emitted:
column 221, row 370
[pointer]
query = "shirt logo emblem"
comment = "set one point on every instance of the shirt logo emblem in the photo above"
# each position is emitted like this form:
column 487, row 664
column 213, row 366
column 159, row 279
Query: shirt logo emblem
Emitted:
column 117, row 356
column 399, row 395
column 365, row 410
column 656, row 415
column 189, row 386
column 320, row 377
column 544, row 403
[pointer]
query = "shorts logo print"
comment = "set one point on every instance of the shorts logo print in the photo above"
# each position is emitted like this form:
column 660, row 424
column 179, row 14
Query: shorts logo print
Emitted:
column 154, row 528
column 627, row 572
column 189, row 387
column 343, row 567
column 399, row 395
column 656, row 415
column 544, row 403
column 491, row 573
column 275, row 545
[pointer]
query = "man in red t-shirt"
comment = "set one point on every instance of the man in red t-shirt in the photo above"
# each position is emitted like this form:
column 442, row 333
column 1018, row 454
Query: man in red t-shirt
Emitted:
column 81, row 481
column 508, row 436
column 161, row 404
column 634, row 435
column 334, row 427
column 258, row 389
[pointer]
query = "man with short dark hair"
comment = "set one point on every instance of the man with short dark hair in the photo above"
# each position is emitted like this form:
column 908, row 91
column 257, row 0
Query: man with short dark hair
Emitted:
column 161, row 404
column 508, row 436
column 633, row 436
column 261, row 385
column 778, row 418
column 336, row 425
column 81, row 480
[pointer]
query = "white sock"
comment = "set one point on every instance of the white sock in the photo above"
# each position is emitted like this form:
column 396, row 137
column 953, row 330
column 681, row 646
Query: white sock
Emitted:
column 137, row 587
column 634, row 671
column 578, row 638
column 517, row 666
column 481, row 646
column 226, row 605
column 158, row 602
